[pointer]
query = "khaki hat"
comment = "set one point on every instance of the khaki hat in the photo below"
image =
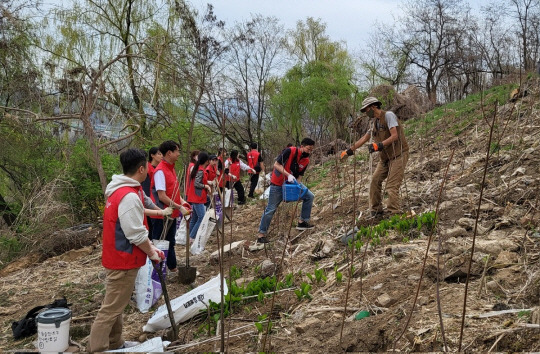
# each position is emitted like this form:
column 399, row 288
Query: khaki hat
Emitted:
column 368, row 102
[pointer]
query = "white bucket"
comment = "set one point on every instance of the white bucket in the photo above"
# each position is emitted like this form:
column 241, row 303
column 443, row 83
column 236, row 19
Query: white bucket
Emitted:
column 53, row 329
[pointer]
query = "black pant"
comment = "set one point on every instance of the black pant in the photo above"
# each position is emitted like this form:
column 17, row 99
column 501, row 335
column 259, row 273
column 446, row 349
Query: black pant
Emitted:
column 253, row 184
column 239, row 190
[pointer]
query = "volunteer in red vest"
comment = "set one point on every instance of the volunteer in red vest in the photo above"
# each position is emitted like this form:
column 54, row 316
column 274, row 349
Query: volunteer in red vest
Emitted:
column 289, row 166
column 222, row 154
column 154, row 158
column 254, row 159
column 192, row 160
column 233, row 165
column 389, row 141
column 165, row 192
column 197, row 191
column 124, row 249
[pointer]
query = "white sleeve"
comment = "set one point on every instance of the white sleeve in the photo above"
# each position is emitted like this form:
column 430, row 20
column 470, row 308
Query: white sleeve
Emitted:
column 227, row 163
column 391, row 120
column 243, row 166
column 159, row 181
column 130, row 215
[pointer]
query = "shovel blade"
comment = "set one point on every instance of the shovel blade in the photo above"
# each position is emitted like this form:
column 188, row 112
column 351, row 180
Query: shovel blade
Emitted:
column 187, row 275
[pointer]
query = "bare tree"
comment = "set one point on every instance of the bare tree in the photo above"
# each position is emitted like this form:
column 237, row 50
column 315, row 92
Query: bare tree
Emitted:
column 526, row 13
column 257, row 48
column 428, row 34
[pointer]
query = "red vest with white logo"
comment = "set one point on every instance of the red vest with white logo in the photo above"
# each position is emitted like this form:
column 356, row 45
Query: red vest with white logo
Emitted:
column 196, row 195
column 234, row 169
column 171, row 188
column 253, row 158
column 277, row 178
column 117, row 251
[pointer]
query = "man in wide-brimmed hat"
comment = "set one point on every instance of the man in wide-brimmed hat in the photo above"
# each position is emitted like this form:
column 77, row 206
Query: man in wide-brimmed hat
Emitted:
column 389, row 140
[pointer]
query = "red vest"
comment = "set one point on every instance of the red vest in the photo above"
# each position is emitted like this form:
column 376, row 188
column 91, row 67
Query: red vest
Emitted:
column 187, row 179
column 196, row 195
column 171, row 187
column 211, row 172
column 234, row 169
column 117, row 251
column 253, row 158
column 221, row 180
column 151, row 170
column 277, row 178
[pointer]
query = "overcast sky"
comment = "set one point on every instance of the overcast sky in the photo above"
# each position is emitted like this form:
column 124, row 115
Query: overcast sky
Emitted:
column 347, row 20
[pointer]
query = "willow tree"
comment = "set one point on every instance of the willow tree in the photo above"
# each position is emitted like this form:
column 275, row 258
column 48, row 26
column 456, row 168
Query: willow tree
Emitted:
column 315, row 97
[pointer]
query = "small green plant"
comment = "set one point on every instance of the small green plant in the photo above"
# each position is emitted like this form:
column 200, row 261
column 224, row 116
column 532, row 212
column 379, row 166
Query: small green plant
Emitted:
column 310, row 277
column 319, row 275
column 524, row 314
column 236, row 273
column 338, row 274
column 303, row 292
column 260, row 323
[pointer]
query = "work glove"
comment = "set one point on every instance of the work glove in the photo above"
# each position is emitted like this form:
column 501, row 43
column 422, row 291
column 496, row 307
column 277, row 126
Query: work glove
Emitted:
column 185, row 209
column 347, row 152
column 167, row 211
column 290, row 178
column 375, row 147
column 157, row 255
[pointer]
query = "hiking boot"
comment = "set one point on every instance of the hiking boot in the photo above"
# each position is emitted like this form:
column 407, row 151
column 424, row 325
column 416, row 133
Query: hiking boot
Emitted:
column 263, row 240
column 304, row 225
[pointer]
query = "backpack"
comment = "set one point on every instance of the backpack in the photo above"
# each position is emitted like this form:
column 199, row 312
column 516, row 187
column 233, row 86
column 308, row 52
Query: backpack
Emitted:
column 27, row 326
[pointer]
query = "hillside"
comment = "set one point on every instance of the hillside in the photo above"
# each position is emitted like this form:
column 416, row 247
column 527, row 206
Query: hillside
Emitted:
column 505, row 271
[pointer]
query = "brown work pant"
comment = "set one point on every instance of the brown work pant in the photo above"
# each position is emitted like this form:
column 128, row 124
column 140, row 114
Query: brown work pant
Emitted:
column 393, row 171
column 106, row 332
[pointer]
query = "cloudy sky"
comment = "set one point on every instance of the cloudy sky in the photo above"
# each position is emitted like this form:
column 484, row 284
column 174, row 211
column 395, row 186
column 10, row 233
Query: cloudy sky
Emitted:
column 347, row 20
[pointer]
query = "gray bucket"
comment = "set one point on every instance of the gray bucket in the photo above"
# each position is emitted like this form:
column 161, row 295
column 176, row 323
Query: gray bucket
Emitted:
column 53, row 329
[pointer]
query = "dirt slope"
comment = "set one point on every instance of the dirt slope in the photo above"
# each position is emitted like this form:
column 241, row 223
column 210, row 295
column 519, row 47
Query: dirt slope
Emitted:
column 505, row 272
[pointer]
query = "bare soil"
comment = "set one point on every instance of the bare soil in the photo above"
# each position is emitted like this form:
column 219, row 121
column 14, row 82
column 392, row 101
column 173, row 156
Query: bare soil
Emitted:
column 388, row 278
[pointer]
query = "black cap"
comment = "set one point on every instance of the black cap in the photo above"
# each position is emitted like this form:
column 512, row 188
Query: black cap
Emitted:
column 212, row 157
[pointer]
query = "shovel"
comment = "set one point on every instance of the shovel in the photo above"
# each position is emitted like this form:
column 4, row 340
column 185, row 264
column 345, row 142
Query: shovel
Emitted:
column 158, row 267
column 187, row 274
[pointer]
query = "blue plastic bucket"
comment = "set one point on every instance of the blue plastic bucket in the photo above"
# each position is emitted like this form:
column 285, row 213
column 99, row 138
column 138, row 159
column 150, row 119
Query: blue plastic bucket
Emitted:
column 293, row 192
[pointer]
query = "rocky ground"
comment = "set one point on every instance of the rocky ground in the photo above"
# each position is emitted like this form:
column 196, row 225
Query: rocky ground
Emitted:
column 503, row 293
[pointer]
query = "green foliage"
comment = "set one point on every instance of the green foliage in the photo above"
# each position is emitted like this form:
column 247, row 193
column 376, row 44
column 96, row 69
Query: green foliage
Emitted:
column 400, row 223
column 320, row 275
column 260, row 323
column 303, row 292
column 338, row 274
column 10, row 247
column 242, row 294
column 462, row 113
column 87, row 198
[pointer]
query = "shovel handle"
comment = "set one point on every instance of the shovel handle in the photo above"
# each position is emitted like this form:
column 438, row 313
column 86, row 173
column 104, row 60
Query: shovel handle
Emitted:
column 188, row 243
column 158, row 269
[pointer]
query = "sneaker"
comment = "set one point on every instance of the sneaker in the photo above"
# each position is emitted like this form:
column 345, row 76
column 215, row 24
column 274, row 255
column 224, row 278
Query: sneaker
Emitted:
column 251, row 196
column 263, row 240
column 304, row 225
column 375, row 214
column 242, row 202
column 129, row 344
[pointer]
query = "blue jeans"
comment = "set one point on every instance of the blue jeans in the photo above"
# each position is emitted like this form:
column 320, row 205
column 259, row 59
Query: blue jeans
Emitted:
column 157, row 229
column 196, row 218
column 275, row 198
